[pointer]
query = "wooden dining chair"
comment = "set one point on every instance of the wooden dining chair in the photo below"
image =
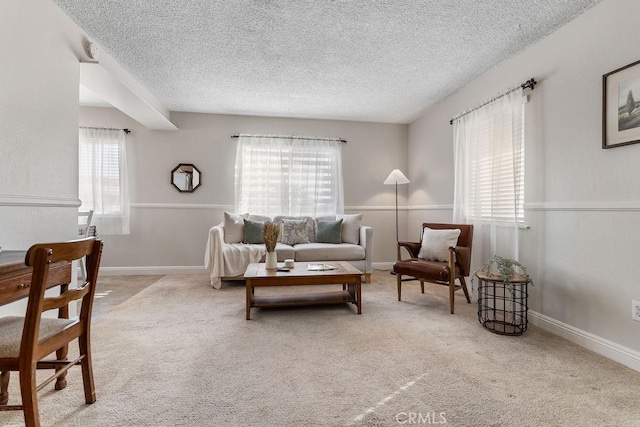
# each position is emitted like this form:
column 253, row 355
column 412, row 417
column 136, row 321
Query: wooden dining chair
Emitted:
column 26, row 341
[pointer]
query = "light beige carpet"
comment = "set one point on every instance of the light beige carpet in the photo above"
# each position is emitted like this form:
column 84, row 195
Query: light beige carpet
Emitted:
column 180, row 353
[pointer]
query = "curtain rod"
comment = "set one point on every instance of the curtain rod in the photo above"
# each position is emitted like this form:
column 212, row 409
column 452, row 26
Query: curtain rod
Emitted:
column 292, row 137
column 125, row 130
column 531, row 83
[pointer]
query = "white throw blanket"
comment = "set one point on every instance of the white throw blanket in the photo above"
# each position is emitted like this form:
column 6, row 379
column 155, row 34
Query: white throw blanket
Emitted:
column 234, row 260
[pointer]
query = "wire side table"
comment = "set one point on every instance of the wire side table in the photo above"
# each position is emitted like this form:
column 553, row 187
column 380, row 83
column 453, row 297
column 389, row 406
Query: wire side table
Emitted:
column 502, row 308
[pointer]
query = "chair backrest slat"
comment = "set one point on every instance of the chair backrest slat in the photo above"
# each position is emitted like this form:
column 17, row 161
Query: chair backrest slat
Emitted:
column 63, row 251
column 50, row 303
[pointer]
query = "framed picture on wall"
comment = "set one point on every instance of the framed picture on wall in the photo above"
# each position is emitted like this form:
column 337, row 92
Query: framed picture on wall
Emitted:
column 621, row 106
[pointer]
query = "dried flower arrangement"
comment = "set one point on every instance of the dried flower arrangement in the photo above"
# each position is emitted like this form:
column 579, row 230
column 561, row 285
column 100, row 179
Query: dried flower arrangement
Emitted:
column 271, row 233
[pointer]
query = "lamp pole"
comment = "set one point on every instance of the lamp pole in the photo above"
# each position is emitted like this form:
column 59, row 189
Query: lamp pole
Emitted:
column 397, row 238
column 396, row 177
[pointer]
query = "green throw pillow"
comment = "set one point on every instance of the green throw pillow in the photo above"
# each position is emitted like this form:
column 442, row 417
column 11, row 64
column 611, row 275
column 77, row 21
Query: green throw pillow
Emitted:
column 253, row 231
column 329, row 232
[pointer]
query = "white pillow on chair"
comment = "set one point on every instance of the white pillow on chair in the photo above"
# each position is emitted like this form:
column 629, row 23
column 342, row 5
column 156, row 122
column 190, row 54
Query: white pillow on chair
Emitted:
column 436, row 243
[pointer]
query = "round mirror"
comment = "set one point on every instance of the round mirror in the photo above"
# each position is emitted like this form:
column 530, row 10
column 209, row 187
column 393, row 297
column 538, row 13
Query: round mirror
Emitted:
column 185, row 177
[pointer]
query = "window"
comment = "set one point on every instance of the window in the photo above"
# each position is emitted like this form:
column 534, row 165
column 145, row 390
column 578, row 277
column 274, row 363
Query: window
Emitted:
column 103, row 185
column 489, row 162
column 288, row 176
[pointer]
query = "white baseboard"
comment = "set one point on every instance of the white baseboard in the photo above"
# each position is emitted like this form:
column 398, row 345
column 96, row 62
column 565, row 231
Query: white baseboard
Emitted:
column 151, row 270
column 604, row 347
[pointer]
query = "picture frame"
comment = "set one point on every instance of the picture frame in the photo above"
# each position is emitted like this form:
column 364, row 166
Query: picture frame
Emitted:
column 621, row 106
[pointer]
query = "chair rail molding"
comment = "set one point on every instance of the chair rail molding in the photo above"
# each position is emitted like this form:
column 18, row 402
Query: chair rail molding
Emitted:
column 595, row 206
column 39, row 201
column 430, row 207
column 230, row 208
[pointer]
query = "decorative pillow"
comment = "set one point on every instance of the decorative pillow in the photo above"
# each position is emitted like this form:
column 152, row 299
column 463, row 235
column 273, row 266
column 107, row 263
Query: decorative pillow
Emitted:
column 294, row 231
column 253, row 231
column 351, row 228
column 436, row 243
column 329, row 231
column 310, row 224
column 234, row 227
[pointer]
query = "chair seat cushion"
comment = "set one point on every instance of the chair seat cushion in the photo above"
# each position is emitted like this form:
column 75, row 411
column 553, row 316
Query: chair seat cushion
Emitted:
column 11, row 332
column 420, row 268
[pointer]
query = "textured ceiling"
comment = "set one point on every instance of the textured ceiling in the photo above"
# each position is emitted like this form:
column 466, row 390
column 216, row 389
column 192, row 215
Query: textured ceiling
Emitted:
column 381, row 61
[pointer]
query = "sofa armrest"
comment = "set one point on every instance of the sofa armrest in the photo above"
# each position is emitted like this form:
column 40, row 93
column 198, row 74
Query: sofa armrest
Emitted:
column 213, row 255
column 366, row 241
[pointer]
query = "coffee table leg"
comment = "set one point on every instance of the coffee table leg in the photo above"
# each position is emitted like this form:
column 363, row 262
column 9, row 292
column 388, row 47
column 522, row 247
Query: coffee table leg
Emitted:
column 249, row 292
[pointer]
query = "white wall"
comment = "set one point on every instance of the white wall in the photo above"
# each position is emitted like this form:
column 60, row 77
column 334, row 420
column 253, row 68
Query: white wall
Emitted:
column 38, row 124
column 582, row 202
column 39, row 71
column 169, row 228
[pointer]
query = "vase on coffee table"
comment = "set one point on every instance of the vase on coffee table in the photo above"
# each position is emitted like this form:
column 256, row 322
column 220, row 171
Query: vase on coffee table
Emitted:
column 271, row 261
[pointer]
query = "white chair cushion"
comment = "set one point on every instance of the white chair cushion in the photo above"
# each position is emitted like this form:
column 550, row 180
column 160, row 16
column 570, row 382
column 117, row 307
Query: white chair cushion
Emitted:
column 436, row 243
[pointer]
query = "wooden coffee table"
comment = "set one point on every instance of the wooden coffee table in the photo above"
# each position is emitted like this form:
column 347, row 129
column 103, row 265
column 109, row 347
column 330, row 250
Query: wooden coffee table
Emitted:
column 345, row 274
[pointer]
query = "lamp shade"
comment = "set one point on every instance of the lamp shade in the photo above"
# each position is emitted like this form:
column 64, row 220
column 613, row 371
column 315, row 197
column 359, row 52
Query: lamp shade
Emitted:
column 396, row 177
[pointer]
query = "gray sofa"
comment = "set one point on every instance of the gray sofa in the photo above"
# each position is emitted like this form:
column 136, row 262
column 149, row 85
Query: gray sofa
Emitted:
column 227, row 259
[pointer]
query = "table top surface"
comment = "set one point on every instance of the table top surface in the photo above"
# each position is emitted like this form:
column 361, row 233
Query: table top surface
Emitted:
column 300, row 269
column 12, row 257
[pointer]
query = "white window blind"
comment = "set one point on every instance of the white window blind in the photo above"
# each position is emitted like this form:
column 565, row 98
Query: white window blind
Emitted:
column 103, row 184
column 288, row 176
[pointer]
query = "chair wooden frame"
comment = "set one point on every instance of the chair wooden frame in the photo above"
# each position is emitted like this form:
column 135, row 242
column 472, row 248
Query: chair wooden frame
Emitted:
column 456, row 267
column 89, row 215
column 32, row 348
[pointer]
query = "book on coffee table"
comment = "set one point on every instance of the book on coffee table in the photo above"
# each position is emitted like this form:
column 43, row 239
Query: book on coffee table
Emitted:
column 321, row 267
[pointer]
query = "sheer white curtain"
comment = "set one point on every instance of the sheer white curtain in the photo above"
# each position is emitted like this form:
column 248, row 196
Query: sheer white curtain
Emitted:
column 288, row 176
column 489, row 175
column 103, row 183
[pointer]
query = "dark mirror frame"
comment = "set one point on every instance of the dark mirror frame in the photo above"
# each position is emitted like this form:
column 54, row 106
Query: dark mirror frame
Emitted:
column 194, row 169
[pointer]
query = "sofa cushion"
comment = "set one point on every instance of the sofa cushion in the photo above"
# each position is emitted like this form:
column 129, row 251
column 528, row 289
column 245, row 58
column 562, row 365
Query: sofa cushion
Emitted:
column 285, row 252
column 294, row 231
column 351, row 228
column 306, row 252
column 310, row 224
column 233, row 226
column 253, row 231
column 329, row 231
column 436, row 243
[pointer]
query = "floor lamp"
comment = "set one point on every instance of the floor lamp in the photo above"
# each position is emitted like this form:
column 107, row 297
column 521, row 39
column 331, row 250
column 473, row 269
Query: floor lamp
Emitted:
column 396, row 177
